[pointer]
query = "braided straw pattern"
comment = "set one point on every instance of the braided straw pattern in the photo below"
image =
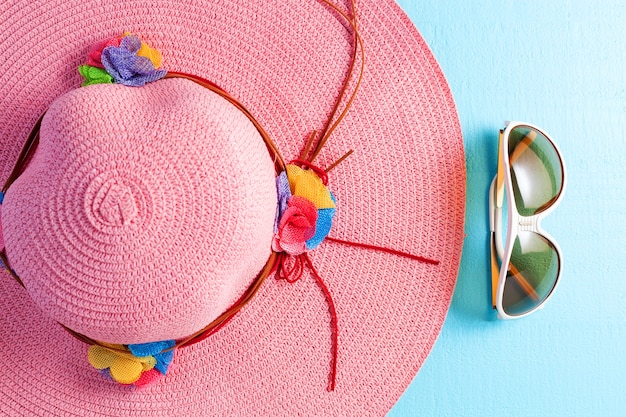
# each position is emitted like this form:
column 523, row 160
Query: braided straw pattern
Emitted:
column 402, row 188
column 158, row 169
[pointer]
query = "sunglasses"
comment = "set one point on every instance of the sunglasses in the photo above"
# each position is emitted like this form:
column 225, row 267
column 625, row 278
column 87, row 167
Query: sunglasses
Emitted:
column 525, row 260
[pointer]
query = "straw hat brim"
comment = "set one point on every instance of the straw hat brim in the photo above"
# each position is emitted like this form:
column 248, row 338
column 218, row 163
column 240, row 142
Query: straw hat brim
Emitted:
column 403, row 188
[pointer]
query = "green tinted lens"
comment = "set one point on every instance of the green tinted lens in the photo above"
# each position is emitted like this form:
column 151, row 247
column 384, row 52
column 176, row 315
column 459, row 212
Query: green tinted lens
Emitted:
column 536, row 170
column 533, row 271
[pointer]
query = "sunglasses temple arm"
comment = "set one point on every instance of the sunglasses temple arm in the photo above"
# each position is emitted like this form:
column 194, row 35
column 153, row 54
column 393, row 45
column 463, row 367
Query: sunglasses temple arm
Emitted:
column 495, row 249
column 495, row 271
column 522, row 146
column 495, row 218
column 523, row 283
column 499, row 179
column 496, row 192
column 515, row 273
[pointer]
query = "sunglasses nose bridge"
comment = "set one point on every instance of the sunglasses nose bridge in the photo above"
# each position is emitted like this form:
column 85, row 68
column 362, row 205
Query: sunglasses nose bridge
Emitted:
column 529, row 224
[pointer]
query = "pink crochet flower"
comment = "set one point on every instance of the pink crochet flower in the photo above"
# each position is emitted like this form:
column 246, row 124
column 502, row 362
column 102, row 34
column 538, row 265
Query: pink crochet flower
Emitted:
column 95, row 53
column 296, row 226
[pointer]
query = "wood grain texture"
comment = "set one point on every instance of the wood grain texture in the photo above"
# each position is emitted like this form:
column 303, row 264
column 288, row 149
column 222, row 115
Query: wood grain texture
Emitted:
column 560, row 65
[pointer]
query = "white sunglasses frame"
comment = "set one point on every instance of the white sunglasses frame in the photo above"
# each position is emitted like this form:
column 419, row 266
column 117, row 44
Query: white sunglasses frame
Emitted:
column 516, row 222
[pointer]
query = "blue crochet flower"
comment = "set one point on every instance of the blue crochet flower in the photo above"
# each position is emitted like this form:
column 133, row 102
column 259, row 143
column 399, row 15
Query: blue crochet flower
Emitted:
column 156, row 349
column 128, row 68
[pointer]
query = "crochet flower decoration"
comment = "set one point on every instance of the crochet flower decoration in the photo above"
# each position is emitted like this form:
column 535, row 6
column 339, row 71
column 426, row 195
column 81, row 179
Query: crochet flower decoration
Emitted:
column 122, row 60
column 138, row 364
column 305, row 211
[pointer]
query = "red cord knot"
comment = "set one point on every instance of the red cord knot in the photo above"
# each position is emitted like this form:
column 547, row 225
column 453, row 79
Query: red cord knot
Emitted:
column 290, row 268
column 306, row 208
column 323, row 175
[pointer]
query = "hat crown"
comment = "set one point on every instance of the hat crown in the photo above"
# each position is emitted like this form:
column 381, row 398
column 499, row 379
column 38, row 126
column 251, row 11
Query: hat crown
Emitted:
column 144, row 213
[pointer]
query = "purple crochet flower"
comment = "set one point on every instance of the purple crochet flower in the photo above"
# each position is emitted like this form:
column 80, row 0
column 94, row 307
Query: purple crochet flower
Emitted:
column 126, row 67
column 284, row 194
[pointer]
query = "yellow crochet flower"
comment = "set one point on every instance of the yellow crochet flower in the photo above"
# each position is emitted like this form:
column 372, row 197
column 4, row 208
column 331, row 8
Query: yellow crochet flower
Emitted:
column 123, row 366
column 147, row 51
column 152, row 54
column 306, row 183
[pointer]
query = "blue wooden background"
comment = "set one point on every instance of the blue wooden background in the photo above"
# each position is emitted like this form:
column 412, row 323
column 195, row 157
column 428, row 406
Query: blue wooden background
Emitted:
column 561, row 65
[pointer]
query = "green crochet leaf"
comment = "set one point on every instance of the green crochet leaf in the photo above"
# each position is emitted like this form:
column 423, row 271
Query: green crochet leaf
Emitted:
column 94, row 75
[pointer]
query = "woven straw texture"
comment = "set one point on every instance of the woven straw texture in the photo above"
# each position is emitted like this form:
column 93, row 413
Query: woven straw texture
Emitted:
column 167, row 166
column 403, row 188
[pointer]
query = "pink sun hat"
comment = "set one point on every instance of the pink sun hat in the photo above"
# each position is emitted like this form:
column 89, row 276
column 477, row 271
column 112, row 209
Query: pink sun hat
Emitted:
column 221, row 208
